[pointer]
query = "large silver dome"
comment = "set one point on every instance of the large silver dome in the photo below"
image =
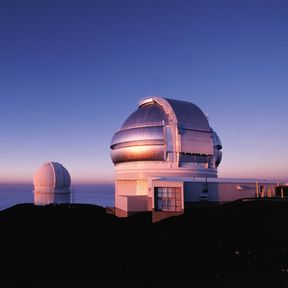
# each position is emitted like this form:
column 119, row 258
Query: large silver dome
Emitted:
column 166, row 130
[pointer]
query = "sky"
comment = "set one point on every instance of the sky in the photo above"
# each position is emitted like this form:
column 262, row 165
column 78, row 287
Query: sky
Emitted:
column 71, row 72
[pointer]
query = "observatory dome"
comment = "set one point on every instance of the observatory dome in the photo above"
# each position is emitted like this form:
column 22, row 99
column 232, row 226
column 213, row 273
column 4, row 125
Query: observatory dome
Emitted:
column 51, row 184
column 162, row 143
column 52, row 175
column 167, row 130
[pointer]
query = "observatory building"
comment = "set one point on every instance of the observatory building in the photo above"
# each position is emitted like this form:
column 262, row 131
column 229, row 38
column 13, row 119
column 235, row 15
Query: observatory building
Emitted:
column 51, row 184
column 166, row 156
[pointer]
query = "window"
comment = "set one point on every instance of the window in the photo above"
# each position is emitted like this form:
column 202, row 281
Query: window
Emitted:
column 167, row 198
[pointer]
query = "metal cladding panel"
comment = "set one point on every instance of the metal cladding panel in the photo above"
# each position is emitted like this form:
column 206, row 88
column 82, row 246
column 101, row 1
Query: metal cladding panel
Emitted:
column 62, row 177
column 58, row 174
column 189, row 115
column 146, row 115
column 231, row 191
column 169, row 139
column 217, row 141
column 138, row 153
column 197, row 142
column 218, row 158
column 137, row 134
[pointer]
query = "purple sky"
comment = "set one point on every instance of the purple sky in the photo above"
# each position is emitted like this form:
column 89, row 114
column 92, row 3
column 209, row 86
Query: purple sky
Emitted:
column 72, row 71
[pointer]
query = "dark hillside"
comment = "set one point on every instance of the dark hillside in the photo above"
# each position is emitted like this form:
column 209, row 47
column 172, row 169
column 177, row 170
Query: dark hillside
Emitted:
column 240, row 244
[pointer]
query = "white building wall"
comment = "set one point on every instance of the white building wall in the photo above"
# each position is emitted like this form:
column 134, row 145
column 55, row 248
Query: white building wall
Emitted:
column 131, row 195
column 125, row 187
column 213, row 192
column 192, row 191
column 138, row 194
column 225, row 191
column 132, row 203
column 137, row 203
column 235, row 191
column 121, row 202
column 142, row 187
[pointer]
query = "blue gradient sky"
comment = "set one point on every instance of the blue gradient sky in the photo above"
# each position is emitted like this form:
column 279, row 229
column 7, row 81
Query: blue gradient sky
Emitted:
column 72, row 71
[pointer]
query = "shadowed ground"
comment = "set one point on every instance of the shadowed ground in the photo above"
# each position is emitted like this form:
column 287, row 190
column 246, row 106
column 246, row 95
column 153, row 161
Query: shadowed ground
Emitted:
column 240, row 244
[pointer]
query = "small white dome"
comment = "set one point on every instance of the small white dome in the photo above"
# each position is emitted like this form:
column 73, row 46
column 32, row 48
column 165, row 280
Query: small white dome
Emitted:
column 52, row 175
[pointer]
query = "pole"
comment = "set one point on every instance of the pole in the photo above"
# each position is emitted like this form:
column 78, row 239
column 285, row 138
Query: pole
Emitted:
column 257, row 189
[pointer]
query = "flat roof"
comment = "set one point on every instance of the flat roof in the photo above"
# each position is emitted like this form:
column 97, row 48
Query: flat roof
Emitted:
column 218, row 180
